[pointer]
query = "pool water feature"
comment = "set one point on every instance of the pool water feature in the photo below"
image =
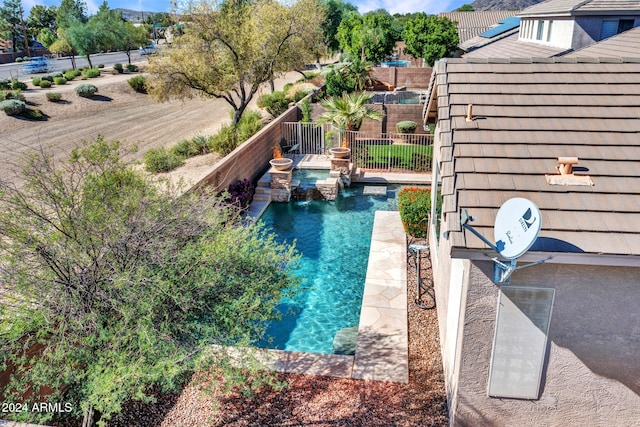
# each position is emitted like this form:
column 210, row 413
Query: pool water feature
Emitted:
column 334, row 240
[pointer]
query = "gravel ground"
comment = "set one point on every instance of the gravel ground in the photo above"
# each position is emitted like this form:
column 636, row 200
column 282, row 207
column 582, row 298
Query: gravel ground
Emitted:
column 319, row 401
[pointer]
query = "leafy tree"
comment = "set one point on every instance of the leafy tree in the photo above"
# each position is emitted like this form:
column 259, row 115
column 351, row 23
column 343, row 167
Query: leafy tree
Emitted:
column 113, row 285
column 130, row 37
column 46, row 37
column 41, row 17
column 229, row 49
column 70, row 11
column 348, row 77
column 105, row 24
column 11, row 13
column 336, row 10
column 371, row 36
column 82, row 37
column 465, row 8
column 430, row 37
column 62, row 46
column 346, row 112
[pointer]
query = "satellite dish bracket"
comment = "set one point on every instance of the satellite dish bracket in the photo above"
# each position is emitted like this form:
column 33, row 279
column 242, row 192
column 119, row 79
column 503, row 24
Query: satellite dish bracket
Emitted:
column 502, row 271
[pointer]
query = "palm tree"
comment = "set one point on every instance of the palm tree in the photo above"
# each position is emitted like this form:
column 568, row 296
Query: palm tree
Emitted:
column 346, row 112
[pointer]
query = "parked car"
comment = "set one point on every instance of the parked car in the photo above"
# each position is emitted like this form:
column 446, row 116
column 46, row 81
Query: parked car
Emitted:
column 148, row 50
column 37, row 64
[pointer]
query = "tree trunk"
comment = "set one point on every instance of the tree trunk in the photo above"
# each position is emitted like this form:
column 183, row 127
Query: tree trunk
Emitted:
column 88, row 420
column 89, row 61
column 272, row 85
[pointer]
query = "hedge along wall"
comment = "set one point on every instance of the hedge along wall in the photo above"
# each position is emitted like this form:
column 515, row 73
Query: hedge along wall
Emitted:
column 411, row 78
column 250, row 159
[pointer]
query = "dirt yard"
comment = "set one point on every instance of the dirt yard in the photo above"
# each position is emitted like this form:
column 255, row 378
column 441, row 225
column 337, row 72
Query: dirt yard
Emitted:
column 117, row 113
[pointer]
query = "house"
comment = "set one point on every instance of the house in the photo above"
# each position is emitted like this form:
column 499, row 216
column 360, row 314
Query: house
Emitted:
column 472, row 24
column 556, row 27
column 558, row 343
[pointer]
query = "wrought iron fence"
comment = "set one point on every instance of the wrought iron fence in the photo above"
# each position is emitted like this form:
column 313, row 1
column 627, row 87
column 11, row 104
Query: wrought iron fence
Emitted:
column 399, row 97
column 391, row 152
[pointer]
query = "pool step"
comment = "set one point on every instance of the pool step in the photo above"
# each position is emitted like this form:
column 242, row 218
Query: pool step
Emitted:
column 262, row 193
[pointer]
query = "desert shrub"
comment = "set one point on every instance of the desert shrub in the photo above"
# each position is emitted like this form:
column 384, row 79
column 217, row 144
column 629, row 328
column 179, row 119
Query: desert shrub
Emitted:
column 118, row 67
column 86, row 90
column 161, row 160
column 45, row 84
column 249, row 123
column 76, row 73
column 299, row 95
column 275, row 103
column 406, row 126
column 18, row 59
column 12, row 94
column 26, row 58
column 100, row 65
column 201, row 144
column 240, row 193
column 305, row 109
column 5, row 84
column 138, row 83
column 414, row 205
column 59, row 80
column 185, row 149
column 70, row 75
column 132, row 68
column 91, row 73
column 36, row 81
column 225, row 141
column 54, row 96
column 33, row 114
column 13, row 107
column 46, row 77
column 18, row 85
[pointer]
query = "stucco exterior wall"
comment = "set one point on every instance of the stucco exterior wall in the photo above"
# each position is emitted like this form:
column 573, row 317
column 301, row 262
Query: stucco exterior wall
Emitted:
column 591, row 374
column 587, row 29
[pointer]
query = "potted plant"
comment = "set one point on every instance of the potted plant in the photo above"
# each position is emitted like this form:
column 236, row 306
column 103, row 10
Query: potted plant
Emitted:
column 279, row 162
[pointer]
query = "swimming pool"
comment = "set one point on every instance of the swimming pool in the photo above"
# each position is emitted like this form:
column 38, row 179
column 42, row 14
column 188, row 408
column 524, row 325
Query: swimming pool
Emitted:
column 334, row 239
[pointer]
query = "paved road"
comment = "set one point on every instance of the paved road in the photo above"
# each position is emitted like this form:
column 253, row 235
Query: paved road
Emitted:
column 13, row 70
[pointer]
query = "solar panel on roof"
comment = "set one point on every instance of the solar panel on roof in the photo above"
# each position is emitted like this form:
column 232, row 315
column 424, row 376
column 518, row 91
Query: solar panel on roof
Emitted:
column 502, row 27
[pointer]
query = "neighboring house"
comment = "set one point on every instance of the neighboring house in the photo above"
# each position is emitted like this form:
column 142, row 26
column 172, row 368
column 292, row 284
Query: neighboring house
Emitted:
column 4, row 45
column 623, row 45
column 560, row 344
column 555, row 27
column 472, row 24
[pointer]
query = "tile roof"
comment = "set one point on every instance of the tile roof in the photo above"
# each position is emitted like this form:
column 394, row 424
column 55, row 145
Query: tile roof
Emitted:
column 471, row 24
column 511, row 47
column 526, row 114
column 623, row 45
column 580, row 7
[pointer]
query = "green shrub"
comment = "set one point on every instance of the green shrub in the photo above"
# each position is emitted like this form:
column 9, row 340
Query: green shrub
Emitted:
column 45, row 84
column 33, row 114
column 70, row 75
column 76, row 73
column 275, row 103
column 225, row 141
column 305, row 109
column 91, row 73
column 59, row 80
column 201, row 144
column 414, row 205
column 337, row 83
column 406, row 126
column 86, row 90
column 47, row 77
column 36, row 81
column 249, row 124
column 5, row 84
column 185, row 149
column 299, row 95
column 54, row 96
column 161, row 160
column 11, row 94
column 138, row 83
column 26, row 58
column 18, row 85
column 100, row 65
column 13, row 107
column 119, row 68
column 132, row 68
column 18, row 59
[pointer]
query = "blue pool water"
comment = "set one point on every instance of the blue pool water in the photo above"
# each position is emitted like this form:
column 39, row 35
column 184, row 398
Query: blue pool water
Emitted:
column 334, row 239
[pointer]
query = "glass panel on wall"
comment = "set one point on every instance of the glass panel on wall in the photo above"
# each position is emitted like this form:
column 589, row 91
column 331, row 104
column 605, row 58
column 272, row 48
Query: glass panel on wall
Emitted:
column 520, row 341
column 609, row 28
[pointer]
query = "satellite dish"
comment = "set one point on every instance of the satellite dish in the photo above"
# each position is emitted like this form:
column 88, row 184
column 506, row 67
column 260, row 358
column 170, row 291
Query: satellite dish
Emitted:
column 517, row 225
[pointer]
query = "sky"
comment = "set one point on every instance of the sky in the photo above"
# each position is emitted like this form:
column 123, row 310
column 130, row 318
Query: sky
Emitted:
column 392, row 6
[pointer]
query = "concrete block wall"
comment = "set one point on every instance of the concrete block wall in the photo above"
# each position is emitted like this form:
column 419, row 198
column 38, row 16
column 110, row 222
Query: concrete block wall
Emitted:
column 411, row 78
column 249, row 160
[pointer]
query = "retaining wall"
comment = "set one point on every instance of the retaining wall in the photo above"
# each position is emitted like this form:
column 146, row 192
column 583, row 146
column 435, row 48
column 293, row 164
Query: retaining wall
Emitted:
column 414, row 78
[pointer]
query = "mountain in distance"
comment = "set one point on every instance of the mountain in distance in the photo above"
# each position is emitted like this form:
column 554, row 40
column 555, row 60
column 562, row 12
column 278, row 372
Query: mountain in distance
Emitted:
column 135, row 16
column 483, row 5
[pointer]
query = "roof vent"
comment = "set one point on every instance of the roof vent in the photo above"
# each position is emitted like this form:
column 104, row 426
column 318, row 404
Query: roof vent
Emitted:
column 469, row 117
column 566, row 175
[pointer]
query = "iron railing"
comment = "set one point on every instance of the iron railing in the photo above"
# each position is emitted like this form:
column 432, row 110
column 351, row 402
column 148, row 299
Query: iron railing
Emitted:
column 391, row 152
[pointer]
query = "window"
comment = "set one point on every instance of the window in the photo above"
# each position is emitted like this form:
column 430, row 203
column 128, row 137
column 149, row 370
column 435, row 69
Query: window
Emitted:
column 549, row 27
column 540, row 30
column 611, row 27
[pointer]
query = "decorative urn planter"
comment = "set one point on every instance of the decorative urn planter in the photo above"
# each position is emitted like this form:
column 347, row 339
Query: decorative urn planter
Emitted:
column 340, row 152
column 282, row 163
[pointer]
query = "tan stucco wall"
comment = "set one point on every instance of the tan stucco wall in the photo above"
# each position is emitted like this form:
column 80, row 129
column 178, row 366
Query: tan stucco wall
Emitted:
column 592, row 372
